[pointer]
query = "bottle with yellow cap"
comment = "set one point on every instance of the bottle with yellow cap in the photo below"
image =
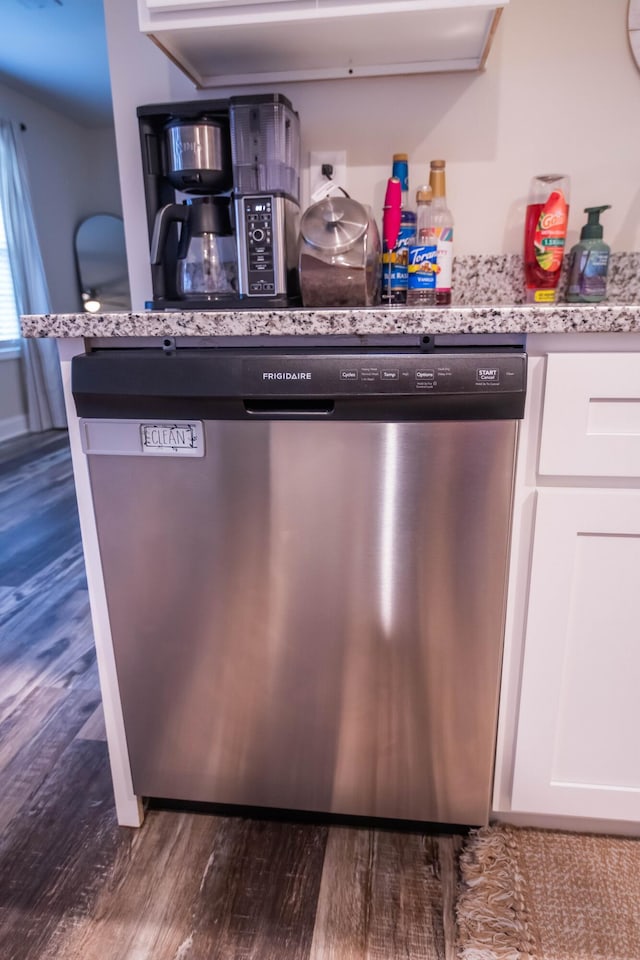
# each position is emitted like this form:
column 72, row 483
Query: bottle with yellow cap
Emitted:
column 442, row 222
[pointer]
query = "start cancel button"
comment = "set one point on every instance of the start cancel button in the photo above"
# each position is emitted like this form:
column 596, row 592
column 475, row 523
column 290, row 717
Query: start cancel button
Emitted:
column 488, row 375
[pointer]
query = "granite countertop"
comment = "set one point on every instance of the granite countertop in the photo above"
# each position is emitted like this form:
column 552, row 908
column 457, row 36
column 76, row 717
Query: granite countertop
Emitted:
column 562, row 318
column 488, row 293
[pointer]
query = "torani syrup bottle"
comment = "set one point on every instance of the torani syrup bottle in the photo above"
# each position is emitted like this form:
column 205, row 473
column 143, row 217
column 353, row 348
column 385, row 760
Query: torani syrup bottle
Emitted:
column 394, row 263
column 421, row 291
column 442, row 221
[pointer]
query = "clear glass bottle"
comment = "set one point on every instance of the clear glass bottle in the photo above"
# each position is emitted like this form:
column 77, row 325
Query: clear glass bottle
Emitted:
column 442, row 221
column 421, row 290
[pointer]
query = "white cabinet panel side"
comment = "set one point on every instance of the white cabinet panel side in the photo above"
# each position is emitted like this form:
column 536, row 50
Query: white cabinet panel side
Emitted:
column 128, row 805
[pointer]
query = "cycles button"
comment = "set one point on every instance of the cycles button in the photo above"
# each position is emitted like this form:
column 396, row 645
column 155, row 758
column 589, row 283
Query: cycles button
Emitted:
column 348, row 374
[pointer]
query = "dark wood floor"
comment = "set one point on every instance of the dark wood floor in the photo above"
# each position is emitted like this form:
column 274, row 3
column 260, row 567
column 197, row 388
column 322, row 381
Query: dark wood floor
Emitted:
column 186, row 886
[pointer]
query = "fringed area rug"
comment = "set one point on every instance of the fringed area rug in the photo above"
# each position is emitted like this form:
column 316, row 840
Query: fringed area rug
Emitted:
column 545, row 895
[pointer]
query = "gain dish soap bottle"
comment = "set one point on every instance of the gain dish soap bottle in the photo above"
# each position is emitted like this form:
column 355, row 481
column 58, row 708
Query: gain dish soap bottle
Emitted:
column 544, row 236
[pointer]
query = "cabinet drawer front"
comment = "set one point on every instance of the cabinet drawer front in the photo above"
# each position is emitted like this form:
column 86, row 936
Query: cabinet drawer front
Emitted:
column 591, row 421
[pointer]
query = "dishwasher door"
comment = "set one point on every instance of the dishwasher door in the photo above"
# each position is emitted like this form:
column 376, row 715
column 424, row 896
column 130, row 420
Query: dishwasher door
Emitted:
column 310, row 614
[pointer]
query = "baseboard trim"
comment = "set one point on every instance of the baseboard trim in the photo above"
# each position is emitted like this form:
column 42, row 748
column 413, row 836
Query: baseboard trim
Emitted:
column 13, row 427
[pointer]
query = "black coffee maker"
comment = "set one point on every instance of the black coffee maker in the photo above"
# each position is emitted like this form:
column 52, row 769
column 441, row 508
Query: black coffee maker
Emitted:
column 222, row 195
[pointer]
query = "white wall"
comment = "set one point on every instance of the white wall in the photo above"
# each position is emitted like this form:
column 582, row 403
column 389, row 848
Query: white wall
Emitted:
column 72, row 173
column 559, row 93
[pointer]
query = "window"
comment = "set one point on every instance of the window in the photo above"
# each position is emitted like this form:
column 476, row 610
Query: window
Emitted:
column 9, row 323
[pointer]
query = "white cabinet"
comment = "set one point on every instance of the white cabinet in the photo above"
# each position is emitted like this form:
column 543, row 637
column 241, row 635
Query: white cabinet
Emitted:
column 576, row 712
column 578, row 746
column 591, row 419
column 234, row 42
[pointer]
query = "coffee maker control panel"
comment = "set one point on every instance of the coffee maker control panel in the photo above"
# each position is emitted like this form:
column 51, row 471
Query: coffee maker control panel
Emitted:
column 259, row 233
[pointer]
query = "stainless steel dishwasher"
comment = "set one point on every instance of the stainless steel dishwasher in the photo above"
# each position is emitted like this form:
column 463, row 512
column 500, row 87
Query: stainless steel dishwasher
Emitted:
column 305, row 557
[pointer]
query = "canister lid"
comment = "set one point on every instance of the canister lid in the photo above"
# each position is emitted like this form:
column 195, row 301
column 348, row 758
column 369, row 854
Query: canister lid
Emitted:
column 334, row 224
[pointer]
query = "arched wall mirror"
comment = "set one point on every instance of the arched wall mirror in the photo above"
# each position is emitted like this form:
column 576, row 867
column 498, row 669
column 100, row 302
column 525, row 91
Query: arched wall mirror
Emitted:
column 633, row 25
column 102, row 264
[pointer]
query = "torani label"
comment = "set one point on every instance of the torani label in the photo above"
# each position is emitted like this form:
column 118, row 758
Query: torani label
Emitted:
column 423, row 267
column 394, row 264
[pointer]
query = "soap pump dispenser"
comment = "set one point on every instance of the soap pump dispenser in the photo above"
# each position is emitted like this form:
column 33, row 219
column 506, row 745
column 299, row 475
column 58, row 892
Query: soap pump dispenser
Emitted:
column 589, row 262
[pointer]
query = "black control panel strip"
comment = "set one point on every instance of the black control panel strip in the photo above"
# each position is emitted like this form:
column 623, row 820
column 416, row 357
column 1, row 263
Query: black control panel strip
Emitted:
column 369, row 384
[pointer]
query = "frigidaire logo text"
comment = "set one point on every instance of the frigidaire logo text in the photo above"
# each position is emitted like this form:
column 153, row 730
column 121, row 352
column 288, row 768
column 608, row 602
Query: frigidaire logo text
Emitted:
column 286, row 375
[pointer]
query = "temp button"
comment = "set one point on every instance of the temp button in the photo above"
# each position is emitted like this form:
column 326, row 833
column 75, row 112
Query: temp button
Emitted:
column 390, row 375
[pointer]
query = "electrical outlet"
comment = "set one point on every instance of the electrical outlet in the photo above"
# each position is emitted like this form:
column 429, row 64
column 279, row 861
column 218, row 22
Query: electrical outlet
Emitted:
column 337, row 159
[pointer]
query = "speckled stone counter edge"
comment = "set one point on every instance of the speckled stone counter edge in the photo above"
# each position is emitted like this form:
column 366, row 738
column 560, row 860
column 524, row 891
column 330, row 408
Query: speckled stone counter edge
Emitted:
column 488, row 298
column 359, row 322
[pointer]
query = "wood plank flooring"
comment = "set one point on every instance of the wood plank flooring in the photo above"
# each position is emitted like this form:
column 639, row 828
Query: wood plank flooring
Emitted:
column 186, row 886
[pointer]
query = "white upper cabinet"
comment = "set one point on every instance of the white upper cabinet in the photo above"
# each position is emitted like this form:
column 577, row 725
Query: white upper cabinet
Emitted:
column 235, row 42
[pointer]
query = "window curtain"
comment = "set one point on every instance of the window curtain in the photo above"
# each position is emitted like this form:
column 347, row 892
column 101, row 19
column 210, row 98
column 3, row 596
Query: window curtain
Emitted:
column 45, row 398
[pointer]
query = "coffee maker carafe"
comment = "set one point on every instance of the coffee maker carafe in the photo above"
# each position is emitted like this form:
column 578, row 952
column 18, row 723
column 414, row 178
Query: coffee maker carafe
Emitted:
column 222, row 195
column 205, row 261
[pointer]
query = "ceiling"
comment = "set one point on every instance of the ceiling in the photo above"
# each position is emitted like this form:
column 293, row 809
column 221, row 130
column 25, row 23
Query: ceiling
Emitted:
column 55, row 51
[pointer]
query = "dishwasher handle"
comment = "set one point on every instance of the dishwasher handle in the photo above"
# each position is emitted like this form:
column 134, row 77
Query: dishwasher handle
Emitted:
column 283, row 407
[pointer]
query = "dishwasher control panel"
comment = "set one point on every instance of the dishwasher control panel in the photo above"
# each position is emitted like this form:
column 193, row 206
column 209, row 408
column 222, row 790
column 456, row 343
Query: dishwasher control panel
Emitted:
column 387, row 374
column 193, row 384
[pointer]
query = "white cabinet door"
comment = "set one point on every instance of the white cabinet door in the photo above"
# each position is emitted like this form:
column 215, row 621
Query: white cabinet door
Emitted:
column 578, row 737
